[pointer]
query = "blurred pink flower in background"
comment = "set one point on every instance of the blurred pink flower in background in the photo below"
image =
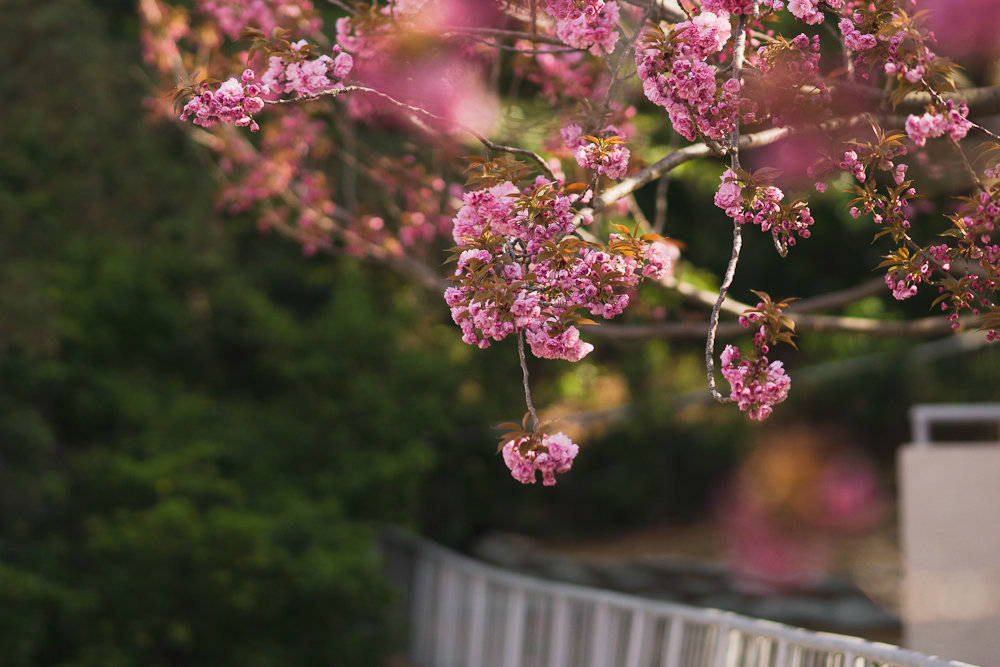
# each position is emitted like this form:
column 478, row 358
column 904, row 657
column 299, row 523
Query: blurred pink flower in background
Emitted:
column 785, row 507
column 964, row 28
column 412, row 57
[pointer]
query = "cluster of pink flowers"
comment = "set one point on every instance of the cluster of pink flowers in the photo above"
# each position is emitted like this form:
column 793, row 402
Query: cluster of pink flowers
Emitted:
column 562, row 75
column 756, row 384
column 952, row 122
column 554, row 454
column 609, row 157
column 806, row 10
column 793, row 90
column 679, row 79
column 762, row 206
column 305, row 77
column 266, row 15
column 661, row 259
column 515, row 276
column 449, row 80
column 586, row 24
column 232, row 102
column 902, row 287
column 908, row 59
column 977, row 222
column 863, row 157
column 852, row 164
column 735, row 7
column 854, row 39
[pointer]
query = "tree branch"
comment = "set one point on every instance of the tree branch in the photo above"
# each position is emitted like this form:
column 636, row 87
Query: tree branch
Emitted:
column 922, row 328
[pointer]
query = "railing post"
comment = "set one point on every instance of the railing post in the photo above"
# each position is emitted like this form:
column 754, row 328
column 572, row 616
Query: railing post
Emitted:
column 445, row 635
column 423, row 623
column 636, row 639
column 675, row 641
column 560, row 631
column 599, row 639
column 513, row 649
column 477, row 622
column 781, row 659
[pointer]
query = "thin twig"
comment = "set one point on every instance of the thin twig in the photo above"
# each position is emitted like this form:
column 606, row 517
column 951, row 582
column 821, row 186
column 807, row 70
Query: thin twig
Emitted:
column 968, row 167
column 343, row 6
column 524, row 374
column 713, row 323
column 420, row 110
column 924, row 327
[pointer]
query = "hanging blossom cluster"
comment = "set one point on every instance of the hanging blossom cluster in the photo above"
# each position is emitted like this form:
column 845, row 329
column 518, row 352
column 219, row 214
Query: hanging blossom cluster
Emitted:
column 737, row 7
column 401, row 50
column 590, row 24
column 266, row 15
column 788, row 84
column 757, row 386
column 808, row 11
column 562, row 76
column 976, row 224
column 605, row 154
column 756, row 383
column 519, row 270
column 745, row 199
column 952, row 121
column 675, row 75
column 854, row 39
column 548, row 454
column 297, row 74
column 295, row 71
column 234, row 101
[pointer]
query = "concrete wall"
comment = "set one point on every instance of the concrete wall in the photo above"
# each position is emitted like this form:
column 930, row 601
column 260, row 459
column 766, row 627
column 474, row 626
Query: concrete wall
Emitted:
column 950, row 520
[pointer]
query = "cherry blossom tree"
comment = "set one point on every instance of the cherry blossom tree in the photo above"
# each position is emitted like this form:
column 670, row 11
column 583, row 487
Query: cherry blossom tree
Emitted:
column 507, row 129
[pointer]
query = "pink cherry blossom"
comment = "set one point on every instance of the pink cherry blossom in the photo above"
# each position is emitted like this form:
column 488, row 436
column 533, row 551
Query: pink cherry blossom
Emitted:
column 756, row 385
column 553, row 455
column 586, row 24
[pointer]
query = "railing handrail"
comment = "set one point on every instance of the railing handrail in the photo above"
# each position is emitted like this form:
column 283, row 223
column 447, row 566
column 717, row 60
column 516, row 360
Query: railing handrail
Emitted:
column 428, row 553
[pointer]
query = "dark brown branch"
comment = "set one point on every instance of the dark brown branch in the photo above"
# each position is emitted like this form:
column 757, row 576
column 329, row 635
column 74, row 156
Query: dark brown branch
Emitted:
column 921, row 328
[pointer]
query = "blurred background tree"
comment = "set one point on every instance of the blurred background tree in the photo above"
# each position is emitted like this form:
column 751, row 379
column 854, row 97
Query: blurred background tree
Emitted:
column 201, row 430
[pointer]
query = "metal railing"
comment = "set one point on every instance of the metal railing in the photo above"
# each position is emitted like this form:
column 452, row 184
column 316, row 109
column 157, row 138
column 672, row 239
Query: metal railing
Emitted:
column 464, row 613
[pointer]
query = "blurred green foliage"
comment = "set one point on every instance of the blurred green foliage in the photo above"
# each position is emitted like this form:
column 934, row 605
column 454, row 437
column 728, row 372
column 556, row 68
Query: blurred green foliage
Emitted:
column 200, row 430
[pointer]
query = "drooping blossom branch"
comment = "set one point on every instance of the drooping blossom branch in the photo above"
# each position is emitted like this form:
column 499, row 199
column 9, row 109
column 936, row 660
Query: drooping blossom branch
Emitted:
column 530, row 259
column 734, row 258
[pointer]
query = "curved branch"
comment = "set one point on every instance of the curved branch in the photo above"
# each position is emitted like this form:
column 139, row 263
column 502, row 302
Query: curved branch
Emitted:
column 713, row 322
column 922, row 328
